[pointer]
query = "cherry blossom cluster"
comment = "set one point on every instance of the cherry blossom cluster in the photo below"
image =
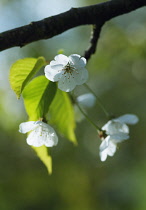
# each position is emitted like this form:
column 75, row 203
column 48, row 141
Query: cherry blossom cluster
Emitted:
column 69, row 72
column 116, row 131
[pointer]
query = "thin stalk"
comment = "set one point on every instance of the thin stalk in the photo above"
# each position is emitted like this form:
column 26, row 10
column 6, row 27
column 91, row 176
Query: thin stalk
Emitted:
column 86, row 116
column 98, row 101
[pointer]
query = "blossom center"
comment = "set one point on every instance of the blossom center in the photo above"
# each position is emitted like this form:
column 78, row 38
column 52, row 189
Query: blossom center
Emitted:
column 102, row 135
column 41, row 130
column 69, row 68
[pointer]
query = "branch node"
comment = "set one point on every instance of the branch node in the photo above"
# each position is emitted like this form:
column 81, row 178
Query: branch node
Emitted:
column 95, row 33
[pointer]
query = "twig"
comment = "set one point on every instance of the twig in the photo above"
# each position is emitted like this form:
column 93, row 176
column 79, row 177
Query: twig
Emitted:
column 93, row 40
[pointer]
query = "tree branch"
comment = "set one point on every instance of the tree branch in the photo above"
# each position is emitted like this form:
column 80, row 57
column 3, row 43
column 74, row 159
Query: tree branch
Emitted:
column 49, row 27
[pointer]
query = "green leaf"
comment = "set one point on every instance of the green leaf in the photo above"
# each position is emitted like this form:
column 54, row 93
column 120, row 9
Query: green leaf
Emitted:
column 22, row 72
column 42, row 153
column 38, row 95
column 62, row 115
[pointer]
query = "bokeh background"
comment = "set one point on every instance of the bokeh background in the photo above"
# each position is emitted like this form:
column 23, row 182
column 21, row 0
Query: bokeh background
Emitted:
column 80, row 181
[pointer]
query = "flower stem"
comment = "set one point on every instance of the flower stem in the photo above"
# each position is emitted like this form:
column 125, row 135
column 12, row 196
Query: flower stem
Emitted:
column 86, row 116
column 98, row 100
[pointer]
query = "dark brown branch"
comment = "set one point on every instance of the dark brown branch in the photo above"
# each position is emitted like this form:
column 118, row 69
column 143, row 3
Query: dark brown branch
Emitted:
column 93, row 40
column 57, row 24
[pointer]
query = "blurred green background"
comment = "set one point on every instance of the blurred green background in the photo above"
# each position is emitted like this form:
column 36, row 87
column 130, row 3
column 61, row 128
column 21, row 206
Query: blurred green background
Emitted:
column 80, row 181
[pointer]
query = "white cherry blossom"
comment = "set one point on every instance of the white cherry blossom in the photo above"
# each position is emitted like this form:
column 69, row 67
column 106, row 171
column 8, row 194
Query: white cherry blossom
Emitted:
column 86, row 100
column 109, row 145
column 40, row 133
column 116, row 131
column 67, row 71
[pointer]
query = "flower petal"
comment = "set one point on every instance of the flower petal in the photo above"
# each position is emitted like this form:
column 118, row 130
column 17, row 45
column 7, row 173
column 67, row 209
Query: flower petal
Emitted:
column 128, row 119
column 53, row 73
column 119, row 137
column 43, row 135
column 80, row 76
column 107, row 147
column 104, row 144
column 56, row 67
column 61, row 59
column 77, row 60
column 67, row 83
column 111, row 148
column 86, row 100
column 34, row 139
column 51, row 140
column 27, row 126
column 114, row 127
column 103, row 155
